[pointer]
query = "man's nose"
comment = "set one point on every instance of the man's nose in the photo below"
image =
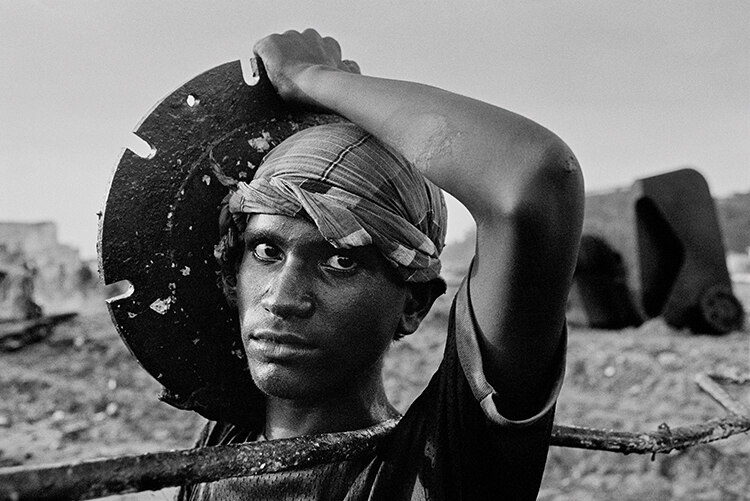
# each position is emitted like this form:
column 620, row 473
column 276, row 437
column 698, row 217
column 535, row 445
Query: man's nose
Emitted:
column 289, row 293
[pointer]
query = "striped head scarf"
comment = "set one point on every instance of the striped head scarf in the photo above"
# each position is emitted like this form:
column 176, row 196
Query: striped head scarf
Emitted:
column 356, row 190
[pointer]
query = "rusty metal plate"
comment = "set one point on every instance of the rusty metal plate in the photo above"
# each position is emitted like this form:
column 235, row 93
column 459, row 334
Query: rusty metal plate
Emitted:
column 667, row 230
column 160, row 225
column 682, row 260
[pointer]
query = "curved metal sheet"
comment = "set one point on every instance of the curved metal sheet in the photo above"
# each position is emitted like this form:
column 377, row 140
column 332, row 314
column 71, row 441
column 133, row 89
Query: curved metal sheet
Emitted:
column 160, row 225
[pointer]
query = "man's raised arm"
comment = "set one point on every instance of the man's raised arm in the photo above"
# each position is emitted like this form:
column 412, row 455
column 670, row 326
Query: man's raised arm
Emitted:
column 521, row 183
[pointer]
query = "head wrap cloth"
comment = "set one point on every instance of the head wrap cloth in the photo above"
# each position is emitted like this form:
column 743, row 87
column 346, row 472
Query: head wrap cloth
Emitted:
column 356, row 191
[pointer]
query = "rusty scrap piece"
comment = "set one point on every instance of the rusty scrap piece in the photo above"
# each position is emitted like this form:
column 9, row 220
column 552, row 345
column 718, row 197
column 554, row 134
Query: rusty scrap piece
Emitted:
column 707, row 383
column 15, row 335
column 160, row 225
column 599, row 297
column 103, row 477
column 731, row 375
column 666, row 230
column 683, row 270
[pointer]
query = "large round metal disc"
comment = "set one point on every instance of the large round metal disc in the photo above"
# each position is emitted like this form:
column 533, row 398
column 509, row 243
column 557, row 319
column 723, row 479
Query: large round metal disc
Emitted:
column 160, row 225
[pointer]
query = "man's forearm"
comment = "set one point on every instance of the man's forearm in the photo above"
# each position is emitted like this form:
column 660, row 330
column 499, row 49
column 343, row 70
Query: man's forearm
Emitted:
column 478, row 152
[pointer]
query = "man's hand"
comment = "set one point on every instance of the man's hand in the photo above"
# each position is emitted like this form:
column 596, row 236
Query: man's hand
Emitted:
column 288, row 56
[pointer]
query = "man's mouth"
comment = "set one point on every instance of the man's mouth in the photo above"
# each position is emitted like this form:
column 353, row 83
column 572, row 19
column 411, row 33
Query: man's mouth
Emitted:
column 275, row 344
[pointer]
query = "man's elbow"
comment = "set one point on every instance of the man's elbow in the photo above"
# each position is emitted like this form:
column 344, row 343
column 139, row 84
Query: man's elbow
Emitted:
column 561, row 173
column 559, row 158
column 549, row 184
column 556, row 191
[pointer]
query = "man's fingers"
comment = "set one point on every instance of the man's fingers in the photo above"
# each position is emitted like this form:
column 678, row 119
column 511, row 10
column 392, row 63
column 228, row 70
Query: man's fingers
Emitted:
column 332, row 47
column 309, row 32
column 306, row 47
column 264, row 42
column 351, row 66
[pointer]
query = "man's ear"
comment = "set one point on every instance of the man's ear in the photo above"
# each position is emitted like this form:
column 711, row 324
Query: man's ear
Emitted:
column 419, row 300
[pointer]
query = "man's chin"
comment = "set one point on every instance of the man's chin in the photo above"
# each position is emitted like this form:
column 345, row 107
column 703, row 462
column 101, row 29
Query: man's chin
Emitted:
column 282, row 383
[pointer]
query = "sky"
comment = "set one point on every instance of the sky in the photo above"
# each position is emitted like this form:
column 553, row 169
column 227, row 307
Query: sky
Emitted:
column 635, row 88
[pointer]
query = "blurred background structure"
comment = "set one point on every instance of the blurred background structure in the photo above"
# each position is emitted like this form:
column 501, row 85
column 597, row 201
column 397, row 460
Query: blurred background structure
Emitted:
column 31, row 253
column 655, row 249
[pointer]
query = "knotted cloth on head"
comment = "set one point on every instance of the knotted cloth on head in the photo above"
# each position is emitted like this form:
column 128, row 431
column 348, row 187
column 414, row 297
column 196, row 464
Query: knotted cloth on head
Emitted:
column 356, row 190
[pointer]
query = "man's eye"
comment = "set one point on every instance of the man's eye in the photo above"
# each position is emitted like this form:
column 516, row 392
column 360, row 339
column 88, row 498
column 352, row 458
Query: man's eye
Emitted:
column 341, row 263
column 266, row 252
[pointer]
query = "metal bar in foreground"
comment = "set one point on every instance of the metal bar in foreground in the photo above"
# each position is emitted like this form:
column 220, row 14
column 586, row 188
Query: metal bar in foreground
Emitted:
column 153, row 471
column 120, row 475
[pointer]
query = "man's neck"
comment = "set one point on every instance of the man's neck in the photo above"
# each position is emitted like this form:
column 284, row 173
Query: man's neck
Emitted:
column 286, row 418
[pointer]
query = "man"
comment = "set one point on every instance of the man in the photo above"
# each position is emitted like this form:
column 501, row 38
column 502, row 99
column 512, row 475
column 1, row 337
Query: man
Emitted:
column 332, row 251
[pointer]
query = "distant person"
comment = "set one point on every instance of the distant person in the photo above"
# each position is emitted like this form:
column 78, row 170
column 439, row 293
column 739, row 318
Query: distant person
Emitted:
column 332, row 251
column 25, row 300
column 86, row 279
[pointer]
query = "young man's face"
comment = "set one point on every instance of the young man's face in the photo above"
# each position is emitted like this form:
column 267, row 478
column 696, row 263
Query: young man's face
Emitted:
column 315, row 320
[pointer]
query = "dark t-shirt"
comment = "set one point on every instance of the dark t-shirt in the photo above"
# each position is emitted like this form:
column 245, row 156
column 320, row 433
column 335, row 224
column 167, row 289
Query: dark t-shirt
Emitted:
column 451, row 444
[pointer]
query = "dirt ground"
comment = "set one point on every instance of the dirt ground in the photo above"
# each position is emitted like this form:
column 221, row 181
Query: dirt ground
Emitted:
column 81, row 395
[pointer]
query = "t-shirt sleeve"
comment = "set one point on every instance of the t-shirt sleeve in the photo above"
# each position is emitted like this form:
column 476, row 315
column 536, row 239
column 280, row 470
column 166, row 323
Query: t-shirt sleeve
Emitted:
column 467, row 333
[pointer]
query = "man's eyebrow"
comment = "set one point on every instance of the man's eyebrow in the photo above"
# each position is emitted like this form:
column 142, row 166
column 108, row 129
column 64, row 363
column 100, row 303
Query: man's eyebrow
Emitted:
column 273, row 234
column 260, row 233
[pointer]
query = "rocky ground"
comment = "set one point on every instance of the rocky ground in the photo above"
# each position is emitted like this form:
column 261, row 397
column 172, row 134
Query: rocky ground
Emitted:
column 81, row 395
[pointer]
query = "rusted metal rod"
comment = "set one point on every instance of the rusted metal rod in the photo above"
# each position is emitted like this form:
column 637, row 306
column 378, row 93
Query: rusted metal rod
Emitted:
column 97, row 478
column 664, row 440
column 102, row 477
